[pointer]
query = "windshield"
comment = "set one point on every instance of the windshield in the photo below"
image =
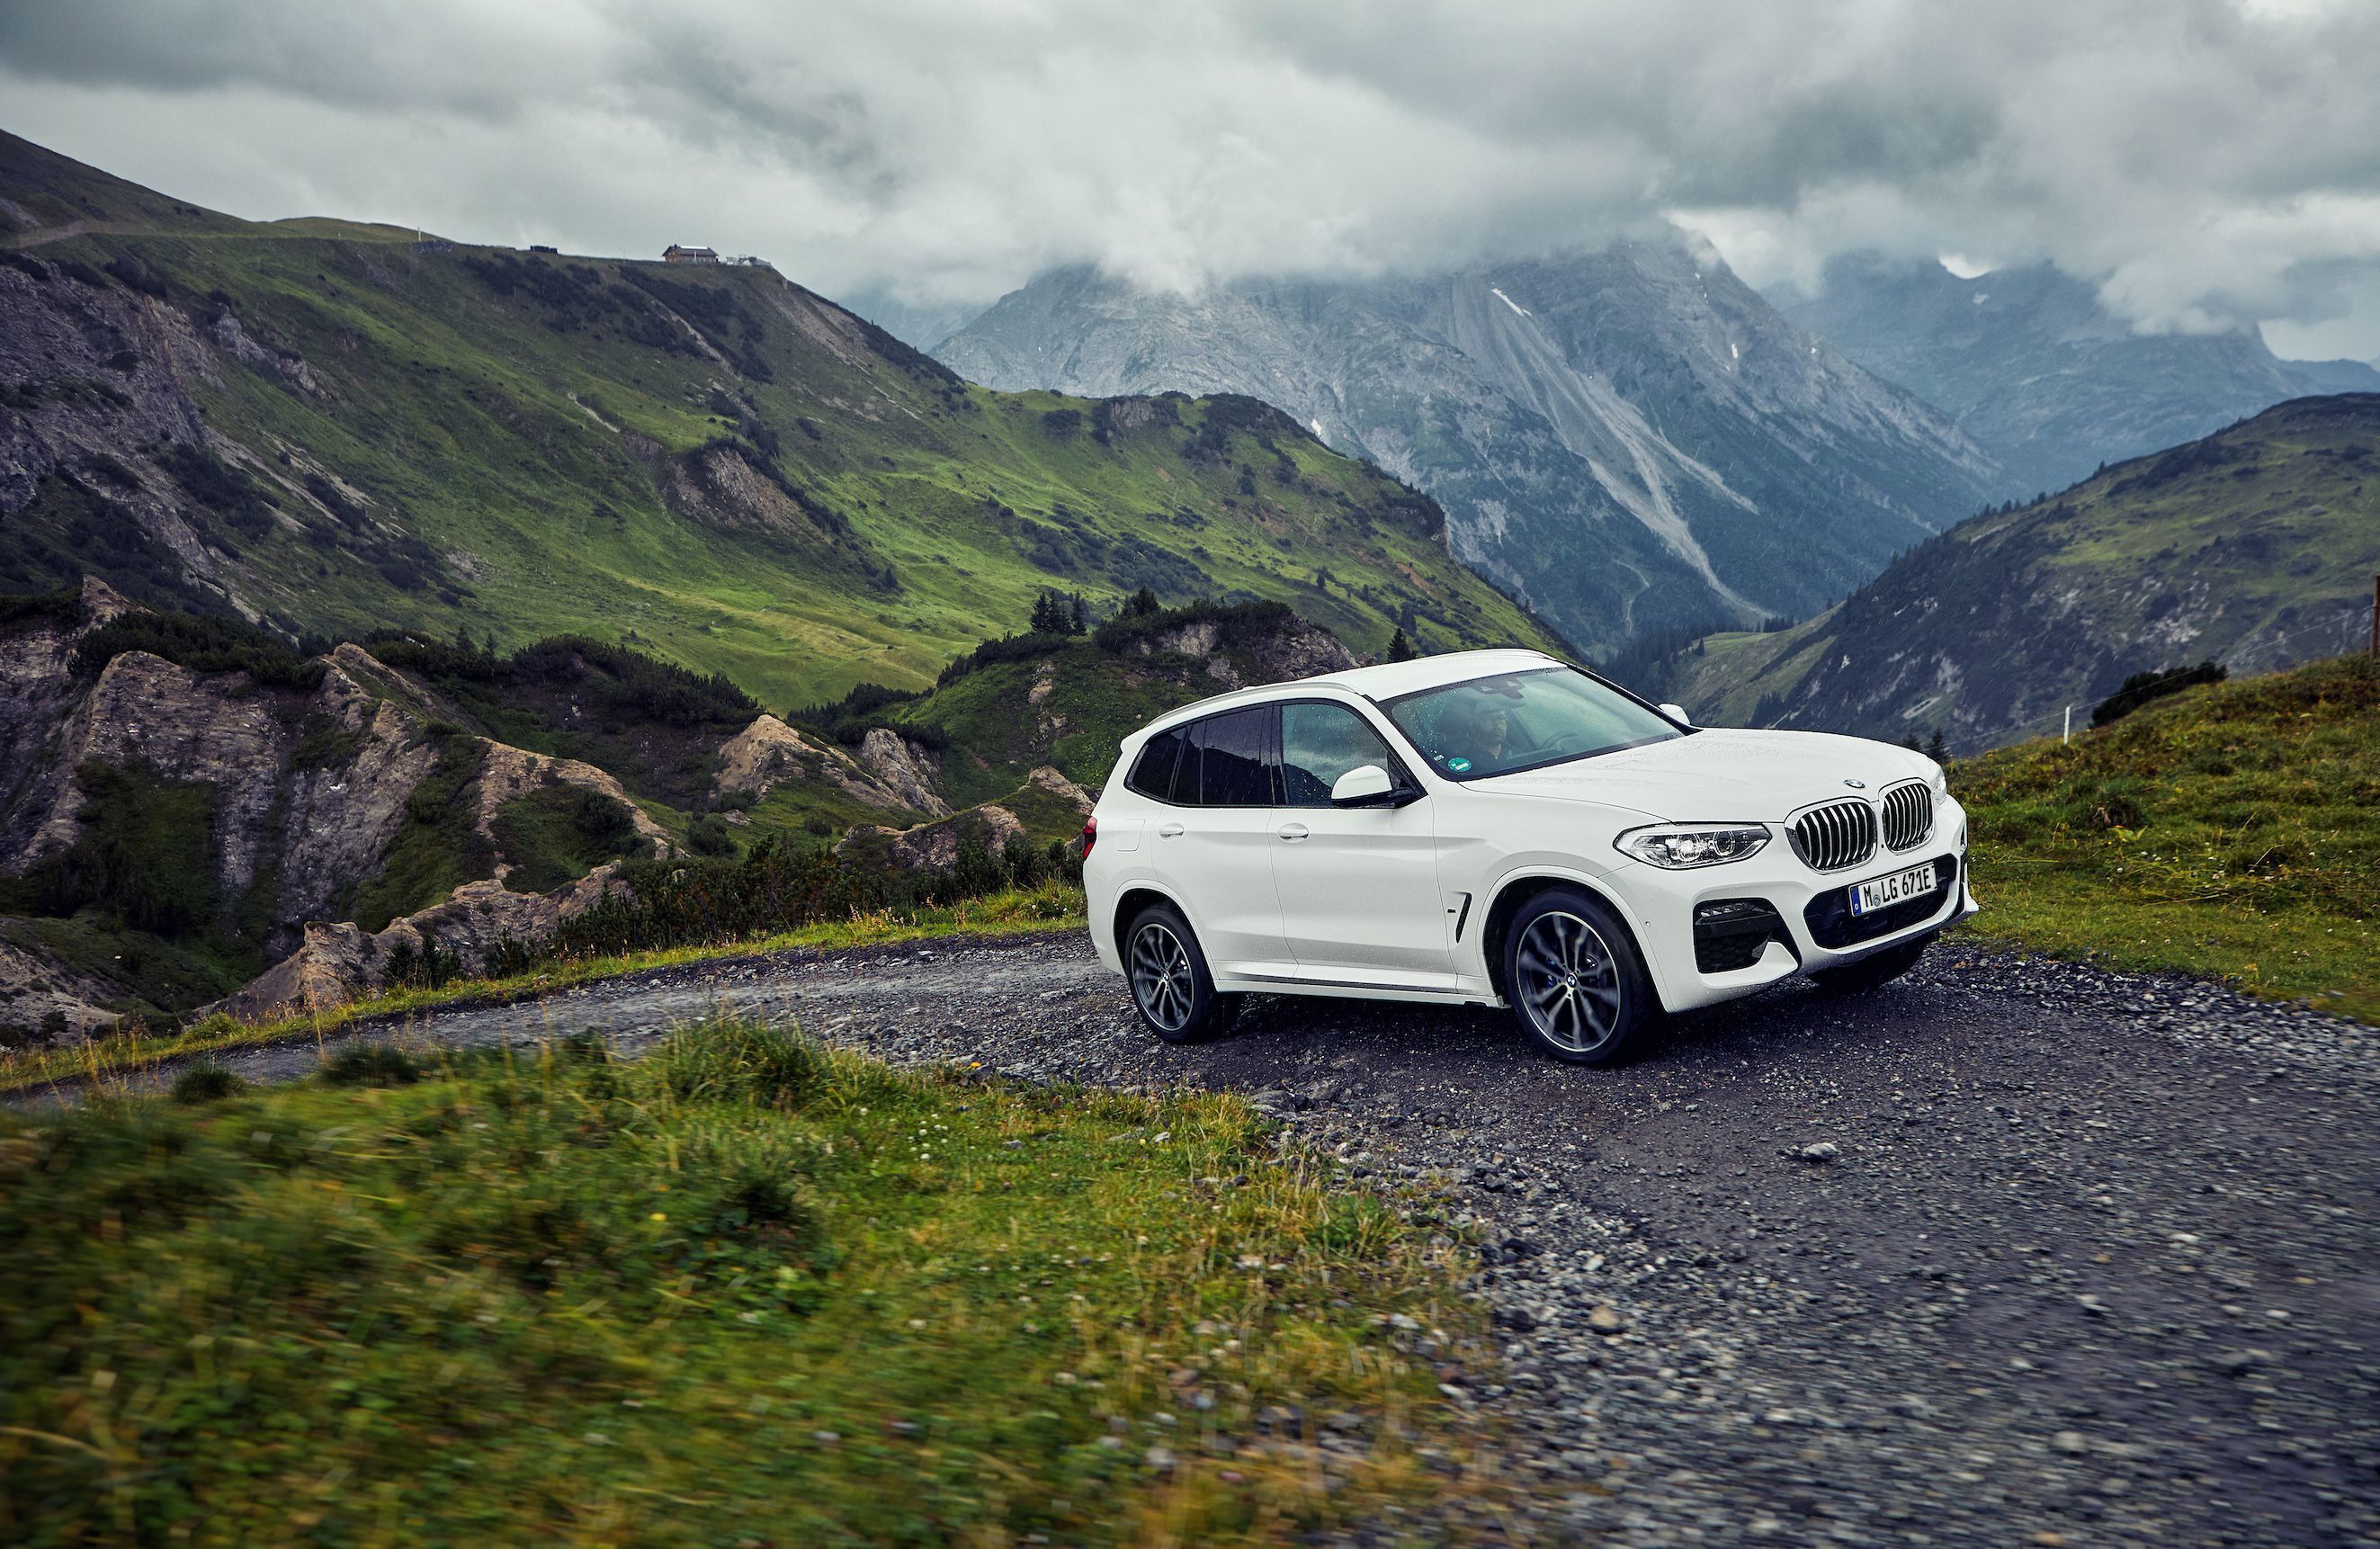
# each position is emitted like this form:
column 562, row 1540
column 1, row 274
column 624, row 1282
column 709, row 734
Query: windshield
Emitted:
column 1523, row 719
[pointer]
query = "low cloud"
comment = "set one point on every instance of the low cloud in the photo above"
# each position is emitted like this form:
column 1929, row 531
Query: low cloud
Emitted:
column 2211, row 162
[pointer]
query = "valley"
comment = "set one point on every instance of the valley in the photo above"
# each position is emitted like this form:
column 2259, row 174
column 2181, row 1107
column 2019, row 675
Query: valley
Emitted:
column 2254, row 547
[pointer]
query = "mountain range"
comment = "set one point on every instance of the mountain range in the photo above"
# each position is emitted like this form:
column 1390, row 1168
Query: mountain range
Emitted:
column 2254, row 548
column 2033, row 365
column 1628, row 440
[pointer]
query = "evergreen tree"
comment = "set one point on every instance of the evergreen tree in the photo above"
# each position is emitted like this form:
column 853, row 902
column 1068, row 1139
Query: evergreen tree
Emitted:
column 1050, row 615
column 1401, row 649
column 1078, row 619
column 1937, row 749
column 1144, row 602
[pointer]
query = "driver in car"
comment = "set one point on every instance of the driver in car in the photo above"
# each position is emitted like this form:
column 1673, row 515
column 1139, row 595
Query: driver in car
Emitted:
column 1475, row 735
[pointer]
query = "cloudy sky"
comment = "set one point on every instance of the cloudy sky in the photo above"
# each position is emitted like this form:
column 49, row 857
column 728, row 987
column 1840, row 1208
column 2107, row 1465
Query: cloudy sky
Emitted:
column 2210, row 163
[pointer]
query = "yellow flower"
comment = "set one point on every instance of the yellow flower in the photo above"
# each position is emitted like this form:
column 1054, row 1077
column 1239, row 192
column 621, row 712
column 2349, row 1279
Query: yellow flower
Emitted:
column 661, row 1215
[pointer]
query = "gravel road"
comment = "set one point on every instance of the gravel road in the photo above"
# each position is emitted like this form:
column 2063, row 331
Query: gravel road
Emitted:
column 2010, row 1253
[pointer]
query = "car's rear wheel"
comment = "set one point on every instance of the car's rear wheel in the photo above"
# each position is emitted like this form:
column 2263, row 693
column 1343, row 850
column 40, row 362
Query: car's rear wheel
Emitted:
column 1574, row 981
column 1869, row 972
column 1170, row 987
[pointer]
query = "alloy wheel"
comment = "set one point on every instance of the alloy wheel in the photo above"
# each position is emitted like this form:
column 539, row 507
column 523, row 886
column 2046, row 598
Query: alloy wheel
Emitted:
column 1568, row 985
column 1161, row 979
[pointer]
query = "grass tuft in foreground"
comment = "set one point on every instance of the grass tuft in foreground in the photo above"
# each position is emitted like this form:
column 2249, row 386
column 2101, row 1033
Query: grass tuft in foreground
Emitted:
column 745, row 1291
column 2232, row 830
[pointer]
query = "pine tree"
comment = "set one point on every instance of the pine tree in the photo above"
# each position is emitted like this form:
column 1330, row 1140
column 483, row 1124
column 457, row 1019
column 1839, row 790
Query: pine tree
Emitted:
column 1078, row 619
column 1144, row 602
column 1936, row 748
column 1401, row 649
column 1050, row 615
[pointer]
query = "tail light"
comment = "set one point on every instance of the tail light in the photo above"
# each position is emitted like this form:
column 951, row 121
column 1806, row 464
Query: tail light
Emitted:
column 1090, row 836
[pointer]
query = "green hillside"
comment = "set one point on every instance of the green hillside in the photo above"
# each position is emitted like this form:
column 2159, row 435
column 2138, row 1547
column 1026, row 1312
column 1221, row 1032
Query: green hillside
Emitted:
column 2232, row 830
column 333, row 430
column 2254, row 547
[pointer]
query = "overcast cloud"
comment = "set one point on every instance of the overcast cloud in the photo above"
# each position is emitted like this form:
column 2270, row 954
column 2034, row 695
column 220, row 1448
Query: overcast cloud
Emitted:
column 2209, row 162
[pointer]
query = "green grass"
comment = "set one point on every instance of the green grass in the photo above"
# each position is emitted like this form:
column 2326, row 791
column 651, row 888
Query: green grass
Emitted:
column 740, row 1291
column 109, row 1061
column 2232, row 831
column 556, row 834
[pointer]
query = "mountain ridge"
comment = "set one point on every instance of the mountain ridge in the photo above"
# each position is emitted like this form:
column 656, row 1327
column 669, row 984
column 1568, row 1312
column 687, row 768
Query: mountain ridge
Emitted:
column 2253, row 547
column 333, row 427
column 1629, row 440
column 2031, row 364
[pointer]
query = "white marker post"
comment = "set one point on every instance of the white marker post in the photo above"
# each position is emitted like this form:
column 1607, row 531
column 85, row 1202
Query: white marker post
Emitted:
column 2069, row 736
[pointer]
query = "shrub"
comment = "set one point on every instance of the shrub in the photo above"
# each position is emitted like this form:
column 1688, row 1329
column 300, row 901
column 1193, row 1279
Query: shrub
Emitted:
column 202, row 643
column 371, row 1064
column 206, row 1082
column 2143, row 687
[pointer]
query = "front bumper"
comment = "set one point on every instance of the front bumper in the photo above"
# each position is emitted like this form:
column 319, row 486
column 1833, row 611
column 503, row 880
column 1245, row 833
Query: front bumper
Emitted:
column 1806, row 926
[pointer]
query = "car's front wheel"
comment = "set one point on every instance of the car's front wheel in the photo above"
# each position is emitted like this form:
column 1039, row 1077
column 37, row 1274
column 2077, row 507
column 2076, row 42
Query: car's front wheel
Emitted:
column 1574, row 981
column 1170, row 987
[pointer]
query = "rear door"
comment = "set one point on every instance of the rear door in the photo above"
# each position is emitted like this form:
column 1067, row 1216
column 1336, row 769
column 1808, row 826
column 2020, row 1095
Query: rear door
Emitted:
column 1215, row 844
column 1359, row 894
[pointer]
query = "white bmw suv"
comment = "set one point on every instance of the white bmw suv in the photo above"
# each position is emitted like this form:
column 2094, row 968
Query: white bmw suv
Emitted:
column 1496, row 827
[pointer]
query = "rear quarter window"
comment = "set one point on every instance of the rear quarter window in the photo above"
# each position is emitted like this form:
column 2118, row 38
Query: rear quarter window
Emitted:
column 1152, row 773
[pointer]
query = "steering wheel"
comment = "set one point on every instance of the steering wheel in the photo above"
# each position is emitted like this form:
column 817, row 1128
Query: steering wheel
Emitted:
column 1570, row 742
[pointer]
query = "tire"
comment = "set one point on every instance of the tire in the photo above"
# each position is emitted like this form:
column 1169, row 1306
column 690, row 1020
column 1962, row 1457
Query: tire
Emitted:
column 1870, row 973
column 1170, row 987
column 1575, row 980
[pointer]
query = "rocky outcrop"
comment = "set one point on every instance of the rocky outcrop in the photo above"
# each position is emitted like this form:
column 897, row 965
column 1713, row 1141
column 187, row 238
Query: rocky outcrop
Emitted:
column 1277, row 656
column 507, row 773
column 716, row 485
column 768, row 753
column 337, row 962
column 1051, row 783
column 904, row 768
column 932, row 846
column 308, row 791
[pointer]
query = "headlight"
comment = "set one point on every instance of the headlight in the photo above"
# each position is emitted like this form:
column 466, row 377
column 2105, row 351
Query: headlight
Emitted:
column 1941, row 781
column 1678, row 846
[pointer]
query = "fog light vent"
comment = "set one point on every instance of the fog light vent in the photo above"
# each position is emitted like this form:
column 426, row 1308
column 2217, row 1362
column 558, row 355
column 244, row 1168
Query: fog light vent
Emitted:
column 1730, row 933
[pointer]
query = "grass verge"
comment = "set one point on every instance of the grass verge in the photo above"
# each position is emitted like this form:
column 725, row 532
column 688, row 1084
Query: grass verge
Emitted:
column 107, row 1060
column 745, row 1291
column 2232, row 831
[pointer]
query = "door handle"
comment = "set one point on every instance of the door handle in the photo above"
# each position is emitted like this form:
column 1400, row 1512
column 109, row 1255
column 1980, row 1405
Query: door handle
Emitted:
column 1169, row 830
column 1292, row 832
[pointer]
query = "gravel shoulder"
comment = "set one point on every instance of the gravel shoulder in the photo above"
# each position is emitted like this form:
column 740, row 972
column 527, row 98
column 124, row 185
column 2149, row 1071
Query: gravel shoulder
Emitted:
column 2011, row 1252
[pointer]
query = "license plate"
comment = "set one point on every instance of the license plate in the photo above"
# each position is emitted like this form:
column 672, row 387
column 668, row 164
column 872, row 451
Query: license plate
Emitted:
column 1900, row 886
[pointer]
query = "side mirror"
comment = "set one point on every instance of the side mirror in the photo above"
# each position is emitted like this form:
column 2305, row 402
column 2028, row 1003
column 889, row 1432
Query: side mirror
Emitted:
column 1366, row 785
column 1677, row 713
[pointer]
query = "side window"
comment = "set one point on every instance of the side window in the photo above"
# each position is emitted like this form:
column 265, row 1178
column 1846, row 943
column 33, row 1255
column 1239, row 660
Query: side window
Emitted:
column 1153, row 775
column 1320, row 742
column 1235, row 758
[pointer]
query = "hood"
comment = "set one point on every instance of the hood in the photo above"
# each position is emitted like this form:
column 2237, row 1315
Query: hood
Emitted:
column 1718, row 774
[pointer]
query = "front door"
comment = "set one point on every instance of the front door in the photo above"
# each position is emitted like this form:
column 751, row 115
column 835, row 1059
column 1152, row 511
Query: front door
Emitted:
column 1358, row 885
column 1217, row 843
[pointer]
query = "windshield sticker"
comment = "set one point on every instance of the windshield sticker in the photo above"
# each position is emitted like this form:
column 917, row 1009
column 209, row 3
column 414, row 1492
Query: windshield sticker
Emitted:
column 1458, row 765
